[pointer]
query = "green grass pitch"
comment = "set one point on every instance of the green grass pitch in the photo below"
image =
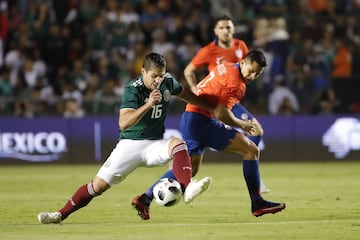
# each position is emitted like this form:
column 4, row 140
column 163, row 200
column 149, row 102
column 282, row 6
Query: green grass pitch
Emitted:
column 322, row 203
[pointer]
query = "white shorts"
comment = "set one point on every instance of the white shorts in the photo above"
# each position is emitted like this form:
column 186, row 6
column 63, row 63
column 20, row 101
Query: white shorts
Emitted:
column 131, row 154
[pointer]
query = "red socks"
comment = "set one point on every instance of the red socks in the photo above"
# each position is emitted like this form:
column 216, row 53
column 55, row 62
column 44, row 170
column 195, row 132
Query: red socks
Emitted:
column 181, row 167
column 80, row 199
column 182, row 164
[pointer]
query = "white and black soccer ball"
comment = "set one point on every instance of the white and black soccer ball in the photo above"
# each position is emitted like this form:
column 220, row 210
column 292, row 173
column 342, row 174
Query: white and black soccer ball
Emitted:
column 167, row 192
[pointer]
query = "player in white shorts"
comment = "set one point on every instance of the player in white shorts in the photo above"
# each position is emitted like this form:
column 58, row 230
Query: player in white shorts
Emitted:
column 141, row 127
column 134, row 154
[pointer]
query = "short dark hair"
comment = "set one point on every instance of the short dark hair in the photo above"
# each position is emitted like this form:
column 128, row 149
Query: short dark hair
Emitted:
column 257, row 56
column 222, row 18
column 154, row 60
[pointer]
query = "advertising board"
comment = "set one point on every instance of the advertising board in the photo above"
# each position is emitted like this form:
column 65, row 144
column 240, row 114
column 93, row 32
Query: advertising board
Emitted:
column 90, row 139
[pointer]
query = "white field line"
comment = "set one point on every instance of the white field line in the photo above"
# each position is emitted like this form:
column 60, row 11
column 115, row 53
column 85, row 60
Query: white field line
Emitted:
column 357, row 221
column 152, row 224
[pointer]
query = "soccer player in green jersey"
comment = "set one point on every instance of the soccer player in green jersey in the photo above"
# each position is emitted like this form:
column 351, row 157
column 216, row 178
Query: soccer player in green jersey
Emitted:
column 141, row 123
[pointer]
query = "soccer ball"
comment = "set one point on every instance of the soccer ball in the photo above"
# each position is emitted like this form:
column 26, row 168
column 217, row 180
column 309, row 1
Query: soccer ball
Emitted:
column 167, row 192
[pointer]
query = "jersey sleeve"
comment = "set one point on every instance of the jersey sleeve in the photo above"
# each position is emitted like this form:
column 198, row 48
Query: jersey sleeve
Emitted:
column 129, row 98
column 201, row 58
column 243, row 47
column 173, row 85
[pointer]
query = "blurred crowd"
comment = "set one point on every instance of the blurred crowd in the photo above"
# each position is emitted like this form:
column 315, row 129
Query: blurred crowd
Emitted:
column 72, row 58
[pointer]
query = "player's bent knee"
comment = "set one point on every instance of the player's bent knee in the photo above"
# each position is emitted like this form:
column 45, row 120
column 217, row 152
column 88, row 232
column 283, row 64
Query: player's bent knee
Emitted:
column 99, row 185
column 174, row 142
column 252, row 152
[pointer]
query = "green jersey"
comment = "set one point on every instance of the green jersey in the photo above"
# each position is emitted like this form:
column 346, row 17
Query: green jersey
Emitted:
column 151, row 126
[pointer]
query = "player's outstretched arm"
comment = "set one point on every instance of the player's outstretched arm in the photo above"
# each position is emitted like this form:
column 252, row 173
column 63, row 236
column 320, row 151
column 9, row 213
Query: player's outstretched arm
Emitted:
column 188, row 96
column 226, row 116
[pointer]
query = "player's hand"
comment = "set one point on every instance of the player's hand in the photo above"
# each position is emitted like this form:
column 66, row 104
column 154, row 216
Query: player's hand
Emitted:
column 155, row 97
column 257, row 130
column 246, row 125
column 249, row 127
column 253, row 127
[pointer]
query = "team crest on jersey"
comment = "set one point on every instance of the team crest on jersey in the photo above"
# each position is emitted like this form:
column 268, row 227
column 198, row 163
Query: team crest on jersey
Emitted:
column 167, row 95
column 239, row 53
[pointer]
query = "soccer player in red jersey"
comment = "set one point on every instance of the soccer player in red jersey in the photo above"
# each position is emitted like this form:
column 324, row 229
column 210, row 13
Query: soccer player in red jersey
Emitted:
column 222, row 88
column 225, row 48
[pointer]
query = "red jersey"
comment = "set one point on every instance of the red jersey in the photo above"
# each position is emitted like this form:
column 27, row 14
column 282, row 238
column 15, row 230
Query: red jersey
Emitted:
column 212, row 54
column 223, row 85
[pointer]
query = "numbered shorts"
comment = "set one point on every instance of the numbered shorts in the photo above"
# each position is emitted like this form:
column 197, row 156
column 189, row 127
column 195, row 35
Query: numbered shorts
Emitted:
column 131, row 154
column 200, row 132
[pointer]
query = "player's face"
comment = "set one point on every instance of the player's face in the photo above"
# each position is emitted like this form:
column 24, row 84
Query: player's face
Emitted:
column 250, row 70
column 153, row 77
column 224, row 31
